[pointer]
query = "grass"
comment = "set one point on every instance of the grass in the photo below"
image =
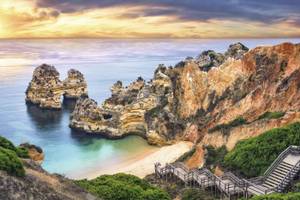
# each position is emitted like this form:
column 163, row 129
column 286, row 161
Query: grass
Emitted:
column 225, row 128
column 122, row 186
column 253, row 156
column 271, row 115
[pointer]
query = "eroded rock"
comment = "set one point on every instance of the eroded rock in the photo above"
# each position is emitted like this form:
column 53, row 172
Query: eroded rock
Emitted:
column 45, row 88
column 75, row 85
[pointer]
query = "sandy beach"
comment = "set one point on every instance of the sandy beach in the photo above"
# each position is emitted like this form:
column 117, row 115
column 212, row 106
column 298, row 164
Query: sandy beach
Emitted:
column 143, row 164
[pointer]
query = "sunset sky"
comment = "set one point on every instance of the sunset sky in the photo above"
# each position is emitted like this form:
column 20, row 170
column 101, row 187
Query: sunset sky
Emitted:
column 149, row 19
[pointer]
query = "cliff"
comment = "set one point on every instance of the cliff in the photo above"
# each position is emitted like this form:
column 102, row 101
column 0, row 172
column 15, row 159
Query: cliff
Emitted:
column 39, row 184
column 214, row 99
column 46, row 89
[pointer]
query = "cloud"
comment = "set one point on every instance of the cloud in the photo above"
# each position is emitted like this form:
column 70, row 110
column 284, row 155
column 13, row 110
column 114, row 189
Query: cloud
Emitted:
column 156, row 18
column 267, row 11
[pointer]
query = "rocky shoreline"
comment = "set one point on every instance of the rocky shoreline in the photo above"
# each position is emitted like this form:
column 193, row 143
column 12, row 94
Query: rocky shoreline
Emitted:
column 196, row 100
column 146, row 109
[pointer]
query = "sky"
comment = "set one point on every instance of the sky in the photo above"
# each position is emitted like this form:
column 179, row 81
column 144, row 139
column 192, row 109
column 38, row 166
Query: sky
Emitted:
column 149, row 19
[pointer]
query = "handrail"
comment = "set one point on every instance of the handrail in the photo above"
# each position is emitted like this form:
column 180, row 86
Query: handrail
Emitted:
column 278, row 160
column 256, row 188
column 288, row 176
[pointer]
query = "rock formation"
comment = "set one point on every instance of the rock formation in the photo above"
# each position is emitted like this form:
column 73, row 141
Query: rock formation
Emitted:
column 35, row 153
column 75, row 85
column 188, row 101
column 45, row 89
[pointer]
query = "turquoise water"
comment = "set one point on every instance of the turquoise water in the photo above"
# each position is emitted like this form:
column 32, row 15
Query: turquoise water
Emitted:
column 103, row 62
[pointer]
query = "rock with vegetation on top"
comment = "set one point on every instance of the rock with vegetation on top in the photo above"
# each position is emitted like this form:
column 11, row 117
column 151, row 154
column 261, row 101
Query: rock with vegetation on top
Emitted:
column 212, row 106
column 45, row 89
column 35, row 152
column 75, row 85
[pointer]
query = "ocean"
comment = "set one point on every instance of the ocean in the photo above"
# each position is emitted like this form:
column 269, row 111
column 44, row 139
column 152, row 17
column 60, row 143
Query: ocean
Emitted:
column 103, row 62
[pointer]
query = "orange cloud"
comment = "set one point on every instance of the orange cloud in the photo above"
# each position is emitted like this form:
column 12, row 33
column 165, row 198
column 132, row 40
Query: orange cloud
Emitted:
column 25, row 20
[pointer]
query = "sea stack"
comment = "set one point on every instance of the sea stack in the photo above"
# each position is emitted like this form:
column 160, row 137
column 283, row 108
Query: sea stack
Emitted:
column 75, row 85
column 45, row 89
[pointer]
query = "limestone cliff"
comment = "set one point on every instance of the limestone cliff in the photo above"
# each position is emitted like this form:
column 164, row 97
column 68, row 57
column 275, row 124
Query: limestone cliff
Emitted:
column 213, row 99
column 46, row 89
column 75, row 85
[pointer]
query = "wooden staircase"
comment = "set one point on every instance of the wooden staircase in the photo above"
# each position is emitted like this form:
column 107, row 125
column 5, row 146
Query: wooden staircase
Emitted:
column 277, row 177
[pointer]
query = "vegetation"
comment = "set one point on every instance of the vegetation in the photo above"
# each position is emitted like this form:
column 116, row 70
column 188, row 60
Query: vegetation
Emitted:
column 10, row 162
column 9, row 157
column 186, row 155
column 271, row 115
column 253, row 156
column 122, row 186
column 196, row 194
column 289, row 196
column 20, row 151
column 215, row 156
column 225, row 128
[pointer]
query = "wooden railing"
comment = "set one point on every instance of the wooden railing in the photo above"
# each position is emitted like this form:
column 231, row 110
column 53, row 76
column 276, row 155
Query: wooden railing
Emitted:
column 279, row 159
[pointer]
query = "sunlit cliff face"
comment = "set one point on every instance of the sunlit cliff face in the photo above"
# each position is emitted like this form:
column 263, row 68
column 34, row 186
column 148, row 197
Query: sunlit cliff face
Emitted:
column 28, row 19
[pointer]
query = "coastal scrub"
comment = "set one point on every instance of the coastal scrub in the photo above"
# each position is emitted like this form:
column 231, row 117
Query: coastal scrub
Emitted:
column 122, row 186
column 253, row 156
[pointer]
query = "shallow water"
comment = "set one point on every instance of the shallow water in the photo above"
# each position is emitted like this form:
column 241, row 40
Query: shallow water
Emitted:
column 103, row 62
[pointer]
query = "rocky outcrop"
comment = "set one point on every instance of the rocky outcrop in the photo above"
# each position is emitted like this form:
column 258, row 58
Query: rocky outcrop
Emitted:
column 45, row 89
column 75, row 85
column 185, row 102
column 39, row 184
column 35, row 152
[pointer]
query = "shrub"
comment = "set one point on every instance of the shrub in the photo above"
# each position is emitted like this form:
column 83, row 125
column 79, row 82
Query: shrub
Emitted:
column 10, row 162
column 122, row 186
column 215, row 156
column 196, row 194
column 225, row 128
column 20, row 151
column 289, row 196
column 253, row 156
column 271, row 115
column 6, row 144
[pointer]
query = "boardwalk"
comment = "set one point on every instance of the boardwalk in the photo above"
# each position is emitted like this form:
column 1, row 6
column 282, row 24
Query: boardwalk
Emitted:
column 277, row 177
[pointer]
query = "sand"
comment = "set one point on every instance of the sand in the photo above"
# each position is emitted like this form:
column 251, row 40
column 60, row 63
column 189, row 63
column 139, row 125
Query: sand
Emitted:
column 143, row 165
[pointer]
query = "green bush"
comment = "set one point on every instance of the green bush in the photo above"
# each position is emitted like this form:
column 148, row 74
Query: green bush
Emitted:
column 10, row 162
column 289, row 196
column 253, row 156
column 225, row 128
column 271, row 115
column 6, row 144
column 215, row 156
column 20, row 151
column 196, row 194
column 122, row 186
